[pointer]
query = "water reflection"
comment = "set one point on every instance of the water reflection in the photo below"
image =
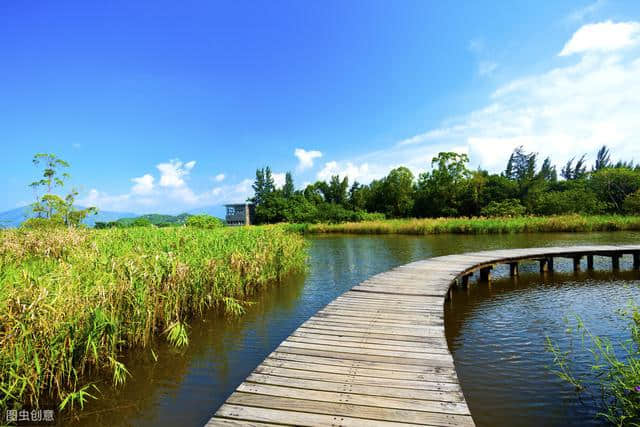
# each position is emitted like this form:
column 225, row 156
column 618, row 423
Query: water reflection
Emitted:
column 186, row 387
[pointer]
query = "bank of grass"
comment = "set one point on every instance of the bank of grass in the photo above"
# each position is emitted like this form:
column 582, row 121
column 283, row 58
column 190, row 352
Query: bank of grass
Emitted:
column 72, row 300
column 526, row 224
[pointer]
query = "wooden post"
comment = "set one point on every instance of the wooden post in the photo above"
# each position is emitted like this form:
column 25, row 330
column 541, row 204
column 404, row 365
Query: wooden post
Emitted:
column 576, row 263
column 615, row 262
column 485, row 274
column 550, row 264
column 543, row 265
column 636, row 260
column 590, row 262
column 465, row 280
column 513, row 269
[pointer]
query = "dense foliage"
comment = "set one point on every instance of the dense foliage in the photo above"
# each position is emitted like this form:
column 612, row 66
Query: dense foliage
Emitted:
column 158, row 220
column 450, row 189
column 72, row 299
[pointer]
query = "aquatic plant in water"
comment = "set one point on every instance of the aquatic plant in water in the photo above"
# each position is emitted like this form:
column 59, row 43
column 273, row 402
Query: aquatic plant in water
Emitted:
column 616, row 381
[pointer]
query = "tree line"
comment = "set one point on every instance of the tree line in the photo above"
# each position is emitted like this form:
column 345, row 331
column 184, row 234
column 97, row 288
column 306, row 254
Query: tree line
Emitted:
column 451, row 189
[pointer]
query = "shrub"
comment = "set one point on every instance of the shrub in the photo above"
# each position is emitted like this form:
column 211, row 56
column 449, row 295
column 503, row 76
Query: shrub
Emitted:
column 42, row 223
column 576, row 200
column 204, row 221
column 631, row 203
column 506, row 208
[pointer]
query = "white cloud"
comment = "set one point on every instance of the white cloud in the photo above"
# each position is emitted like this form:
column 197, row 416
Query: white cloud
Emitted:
column 279, row 179
column 143, row 184
column 173, row 172
column 305, row 158
column 172, row 195
column 603, row 37
column 563, row 112
column 582, row 13
column 353, row 171
column 219, row 178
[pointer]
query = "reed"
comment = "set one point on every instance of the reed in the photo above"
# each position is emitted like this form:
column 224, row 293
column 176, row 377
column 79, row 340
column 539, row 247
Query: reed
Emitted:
column 480, row 225
column 73, row 300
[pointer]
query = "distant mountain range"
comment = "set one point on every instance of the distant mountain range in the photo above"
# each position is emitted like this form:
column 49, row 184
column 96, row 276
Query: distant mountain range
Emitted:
column 14, row 217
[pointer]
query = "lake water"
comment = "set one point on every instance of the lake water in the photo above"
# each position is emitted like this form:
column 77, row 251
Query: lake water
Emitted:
column 185, row 387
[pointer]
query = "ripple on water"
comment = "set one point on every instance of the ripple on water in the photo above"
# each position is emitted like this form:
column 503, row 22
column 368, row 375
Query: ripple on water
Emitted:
column 497, row 336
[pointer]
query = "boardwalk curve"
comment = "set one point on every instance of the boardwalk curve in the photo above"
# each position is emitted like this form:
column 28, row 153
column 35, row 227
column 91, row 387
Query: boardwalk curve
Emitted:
column 377, row 354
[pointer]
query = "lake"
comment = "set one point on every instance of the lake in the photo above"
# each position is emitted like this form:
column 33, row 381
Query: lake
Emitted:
column 185, row 387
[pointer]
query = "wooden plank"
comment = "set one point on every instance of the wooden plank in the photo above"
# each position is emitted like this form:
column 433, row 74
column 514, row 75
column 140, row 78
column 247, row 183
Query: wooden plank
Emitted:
column 252, row 414
column 347, row 409
column 363, row 372
column 356, row 399
column 350, row 379
column 371, row 390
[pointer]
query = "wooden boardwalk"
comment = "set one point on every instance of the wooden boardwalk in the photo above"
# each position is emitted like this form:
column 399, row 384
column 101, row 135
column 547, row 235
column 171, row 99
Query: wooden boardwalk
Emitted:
column 377, row 354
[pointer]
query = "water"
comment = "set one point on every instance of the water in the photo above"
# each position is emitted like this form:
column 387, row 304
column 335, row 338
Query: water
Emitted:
column 186, row 387
column 497, row 335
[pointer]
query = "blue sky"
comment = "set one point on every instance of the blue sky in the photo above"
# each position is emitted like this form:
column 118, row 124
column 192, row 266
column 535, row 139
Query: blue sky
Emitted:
column 164, row 106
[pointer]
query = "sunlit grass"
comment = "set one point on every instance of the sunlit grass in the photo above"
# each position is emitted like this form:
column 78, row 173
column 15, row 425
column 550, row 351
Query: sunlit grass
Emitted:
column 527, row 224
column 72, row 300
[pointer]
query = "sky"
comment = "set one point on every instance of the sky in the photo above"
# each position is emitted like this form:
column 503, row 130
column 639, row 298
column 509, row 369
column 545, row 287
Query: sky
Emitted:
column 165, row 106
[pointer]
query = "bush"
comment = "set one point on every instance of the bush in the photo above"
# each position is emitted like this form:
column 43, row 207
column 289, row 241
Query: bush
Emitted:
column 576, row 200
column 506, row 208
column 631, row 203
column 42, row 223
column 204, row 221
column 141, row 222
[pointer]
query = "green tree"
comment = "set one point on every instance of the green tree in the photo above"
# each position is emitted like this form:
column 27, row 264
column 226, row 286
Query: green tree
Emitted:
column 441, row 191
column 263, row 185
column 49, row 205
column 603, row 159
column 613, row 185
column 288, row 188
column 398, row 193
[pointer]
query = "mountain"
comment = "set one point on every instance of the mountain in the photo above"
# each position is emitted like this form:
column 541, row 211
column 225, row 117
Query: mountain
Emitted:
column 14, row 217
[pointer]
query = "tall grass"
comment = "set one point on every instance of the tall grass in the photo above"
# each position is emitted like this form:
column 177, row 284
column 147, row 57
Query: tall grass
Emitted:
column 527, row 224
column 72, row 300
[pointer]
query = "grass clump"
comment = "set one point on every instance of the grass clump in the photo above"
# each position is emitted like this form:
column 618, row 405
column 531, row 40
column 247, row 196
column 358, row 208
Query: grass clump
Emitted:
column 613, row 382
column 482, row 225
column 72, row 300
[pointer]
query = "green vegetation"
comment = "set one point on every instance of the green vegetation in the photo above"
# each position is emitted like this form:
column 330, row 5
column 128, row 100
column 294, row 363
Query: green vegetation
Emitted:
column 480, row 225
column 204, row 221
column 146, row 220
column 451, row 190
column 51, row 209
column 617, row 381
column 73, row 299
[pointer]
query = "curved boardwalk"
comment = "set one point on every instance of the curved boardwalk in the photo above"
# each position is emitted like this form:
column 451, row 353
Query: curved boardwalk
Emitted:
column 377, row 354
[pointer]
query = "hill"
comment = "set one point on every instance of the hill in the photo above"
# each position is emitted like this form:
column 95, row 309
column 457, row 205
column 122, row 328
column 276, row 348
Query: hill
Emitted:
column 14, row 217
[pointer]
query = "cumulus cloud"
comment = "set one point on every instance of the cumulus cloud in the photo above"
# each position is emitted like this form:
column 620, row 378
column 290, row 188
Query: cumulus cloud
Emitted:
column 172, row 173
column 143, row 184
column 603, row 37
column 172, row 194
column 305, row 158
column 564, row 112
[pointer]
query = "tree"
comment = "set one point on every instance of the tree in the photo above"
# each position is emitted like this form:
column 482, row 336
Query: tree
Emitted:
column 336, row 191
column 263, row 185
column 578, row 171
column 440, row 192
column 398, row 193
column 288, row 188
column 548, row 172
column 49, row 205
column 603, row 159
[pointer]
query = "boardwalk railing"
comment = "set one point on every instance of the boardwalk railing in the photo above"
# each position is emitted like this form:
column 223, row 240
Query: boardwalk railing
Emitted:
column 377, row 354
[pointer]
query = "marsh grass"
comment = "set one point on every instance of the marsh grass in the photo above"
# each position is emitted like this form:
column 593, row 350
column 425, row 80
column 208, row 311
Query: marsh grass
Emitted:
column 72, row 300
column 480, row 225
